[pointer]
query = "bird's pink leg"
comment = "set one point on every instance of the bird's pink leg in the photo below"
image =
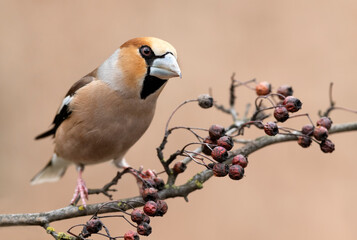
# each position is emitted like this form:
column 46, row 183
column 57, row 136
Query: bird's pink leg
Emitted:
column 81, row 189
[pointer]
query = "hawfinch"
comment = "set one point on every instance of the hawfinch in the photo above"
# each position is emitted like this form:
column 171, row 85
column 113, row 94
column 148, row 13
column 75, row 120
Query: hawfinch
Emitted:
column 107, row 111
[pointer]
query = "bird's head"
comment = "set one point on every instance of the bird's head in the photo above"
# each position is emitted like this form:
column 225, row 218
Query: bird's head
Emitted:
column 143, row 66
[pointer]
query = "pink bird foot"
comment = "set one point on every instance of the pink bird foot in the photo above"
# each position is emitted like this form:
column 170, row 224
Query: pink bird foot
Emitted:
column 81, row 189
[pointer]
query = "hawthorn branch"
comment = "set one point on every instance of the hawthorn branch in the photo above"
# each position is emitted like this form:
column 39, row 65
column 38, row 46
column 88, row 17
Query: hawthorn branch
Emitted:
column 195, row 183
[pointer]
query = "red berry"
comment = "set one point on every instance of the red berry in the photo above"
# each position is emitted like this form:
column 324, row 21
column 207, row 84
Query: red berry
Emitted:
column 137, row 215
column 216, row 131
column 226, row 142
column 150, row 194
column 327, row 146
column 205, row 101
column 304, row 141
column 292, row 104
column 92, row 226
column 281, row 114
column 211, row 144
column 220, row 169
column 144, row 229
column 263, row 88
column 130, row 235
column 219, row 154
column 308, row 130
column 325, row 122
column 236, row 172
column 161, row 208
column 271, row 128
column 285, row 90
column 320, row 133
column 240, row 160
column 179, row 167
column 150, row 208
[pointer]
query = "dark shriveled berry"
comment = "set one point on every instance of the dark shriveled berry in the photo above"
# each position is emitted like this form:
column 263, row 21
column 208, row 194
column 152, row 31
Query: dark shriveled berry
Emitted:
column 240, row 160
column 144, row 229
column 179, row 167
column 159, row 183
column 205, row 101
column 263, row 88
column 271, row 128
column 137, row 215
column 216, row 131
column 308, row 130
column 219, row 154
column 94, row 225
column 150, row 194
column 327, row 146
column 325, row 122
column 320, row 133
column 161, row 208
column 150, row 208
column 130, row 235
column 220, row 169
column 211, row 144
column 226, row 142
column 292, row 104
column 304, row 141
column 285, row 90
column 236, row 172
column 281, row 114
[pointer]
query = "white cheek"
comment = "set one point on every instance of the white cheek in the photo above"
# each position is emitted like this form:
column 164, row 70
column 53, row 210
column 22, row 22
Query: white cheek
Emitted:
column 65, row 101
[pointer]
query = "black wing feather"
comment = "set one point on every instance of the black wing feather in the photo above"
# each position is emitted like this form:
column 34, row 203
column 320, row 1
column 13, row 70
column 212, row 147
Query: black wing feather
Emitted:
column 65, row 112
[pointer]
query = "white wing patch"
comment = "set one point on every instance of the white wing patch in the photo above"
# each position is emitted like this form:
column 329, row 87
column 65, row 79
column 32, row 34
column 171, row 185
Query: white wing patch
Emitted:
column 65, row 101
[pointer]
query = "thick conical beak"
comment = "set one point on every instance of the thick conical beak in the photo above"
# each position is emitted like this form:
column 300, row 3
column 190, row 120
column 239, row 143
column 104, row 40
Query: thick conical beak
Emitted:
column 166, row 67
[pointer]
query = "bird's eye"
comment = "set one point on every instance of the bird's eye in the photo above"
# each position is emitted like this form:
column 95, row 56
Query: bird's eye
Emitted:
column 146, row 51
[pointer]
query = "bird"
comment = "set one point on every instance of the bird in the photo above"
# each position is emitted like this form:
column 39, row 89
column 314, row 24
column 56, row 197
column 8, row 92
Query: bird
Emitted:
column 108, row 110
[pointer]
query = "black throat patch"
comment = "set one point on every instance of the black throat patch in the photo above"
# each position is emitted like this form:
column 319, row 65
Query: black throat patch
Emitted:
column 151, row 84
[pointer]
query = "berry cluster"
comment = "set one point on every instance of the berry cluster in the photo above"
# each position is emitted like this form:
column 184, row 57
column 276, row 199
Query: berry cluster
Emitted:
column 217, row 145
column 290, row 104
column 154, row 206
column 319, row 133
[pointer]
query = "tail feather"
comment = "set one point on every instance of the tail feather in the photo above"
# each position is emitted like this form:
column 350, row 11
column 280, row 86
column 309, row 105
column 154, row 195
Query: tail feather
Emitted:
column 52, row 172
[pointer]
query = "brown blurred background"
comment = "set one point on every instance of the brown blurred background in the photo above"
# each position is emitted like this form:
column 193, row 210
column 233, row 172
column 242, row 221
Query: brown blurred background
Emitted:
column 288, row 192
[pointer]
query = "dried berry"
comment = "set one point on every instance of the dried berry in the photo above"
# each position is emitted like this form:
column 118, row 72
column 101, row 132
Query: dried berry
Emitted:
column 210, row 165
column 292, row 104
column 137, row 215
column 236, row 172
column 263, row 88
column 285, row 90
column 320, row 133
column 220, row 169
column 130, row 235
column 150, row 208
column 216, row 131
column 92, row 226
column 179, row 167
column 211, row 144
column 159, row 183
column 271, row 128
column 205, row 101
column 219, row 154
column 240, row 160
column 226, row 142
column 325, row 122
column 144, row 229
column 161, row 208
column 281, row 114
column 327, row 146
column 150, row 194
column 308, row 130
column 304, row 141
